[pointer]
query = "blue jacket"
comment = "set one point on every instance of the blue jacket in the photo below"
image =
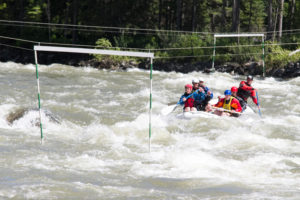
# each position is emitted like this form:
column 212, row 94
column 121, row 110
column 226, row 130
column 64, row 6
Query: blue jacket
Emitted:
column 197, row 96
column 185, row 95
column 206, row 89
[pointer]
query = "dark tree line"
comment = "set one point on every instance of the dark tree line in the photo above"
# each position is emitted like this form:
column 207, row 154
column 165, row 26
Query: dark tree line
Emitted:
column 183, row 15
column 147, row 24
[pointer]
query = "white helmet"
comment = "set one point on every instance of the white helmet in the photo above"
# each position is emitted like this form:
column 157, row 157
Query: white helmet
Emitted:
column 195, row 81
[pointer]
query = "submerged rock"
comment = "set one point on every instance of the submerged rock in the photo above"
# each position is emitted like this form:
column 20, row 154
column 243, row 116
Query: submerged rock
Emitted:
column 21, row 112
column 15, row 115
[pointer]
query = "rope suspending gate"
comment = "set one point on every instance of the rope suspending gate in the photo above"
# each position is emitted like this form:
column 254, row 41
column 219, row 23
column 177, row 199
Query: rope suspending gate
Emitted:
column 93, row 51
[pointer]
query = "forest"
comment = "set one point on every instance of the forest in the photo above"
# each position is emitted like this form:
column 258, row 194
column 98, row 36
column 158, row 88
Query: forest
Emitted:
column 180, row 30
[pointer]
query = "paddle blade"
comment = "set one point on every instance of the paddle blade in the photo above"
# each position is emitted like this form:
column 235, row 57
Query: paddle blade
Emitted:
column 167, row 110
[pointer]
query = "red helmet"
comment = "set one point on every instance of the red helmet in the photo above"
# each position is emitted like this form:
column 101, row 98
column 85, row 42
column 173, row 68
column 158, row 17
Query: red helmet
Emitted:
column 188, row 86
column 234, row 89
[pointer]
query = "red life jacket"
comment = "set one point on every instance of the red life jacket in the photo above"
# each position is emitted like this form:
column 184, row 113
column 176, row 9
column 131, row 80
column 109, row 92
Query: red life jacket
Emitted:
column 245, row 91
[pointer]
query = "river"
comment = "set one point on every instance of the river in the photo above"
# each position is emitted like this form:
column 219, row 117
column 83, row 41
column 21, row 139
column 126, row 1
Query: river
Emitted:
column 99, row 148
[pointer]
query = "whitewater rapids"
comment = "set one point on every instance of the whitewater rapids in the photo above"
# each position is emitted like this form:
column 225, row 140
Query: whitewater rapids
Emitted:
column 99, row 149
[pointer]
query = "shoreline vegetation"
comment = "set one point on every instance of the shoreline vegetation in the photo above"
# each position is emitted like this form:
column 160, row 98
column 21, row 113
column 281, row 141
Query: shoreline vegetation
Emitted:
column 179, row 33
column 286, row 69
column 278, row 62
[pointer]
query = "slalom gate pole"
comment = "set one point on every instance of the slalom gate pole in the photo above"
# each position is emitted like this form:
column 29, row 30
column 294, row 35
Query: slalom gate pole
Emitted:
column 150, row 110
column 214, row 54
column 39, row 96
column 263, row 55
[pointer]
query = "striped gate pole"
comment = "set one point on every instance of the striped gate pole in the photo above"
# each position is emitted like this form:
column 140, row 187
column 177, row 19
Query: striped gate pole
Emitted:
column 39, row 97
column 150, row 110
column 263, row 55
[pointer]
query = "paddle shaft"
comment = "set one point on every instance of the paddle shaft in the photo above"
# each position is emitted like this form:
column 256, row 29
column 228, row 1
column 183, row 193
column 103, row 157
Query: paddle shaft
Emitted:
column 225, row 110
column 258, row 104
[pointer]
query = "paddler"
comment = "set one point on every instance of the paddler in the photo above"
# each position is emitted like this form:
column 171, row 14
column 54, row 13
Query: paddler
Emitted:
column 245, row 91
column 187, row 99
column 230, row 106
column 242, row 102
column 195, row 83
column 208, row 95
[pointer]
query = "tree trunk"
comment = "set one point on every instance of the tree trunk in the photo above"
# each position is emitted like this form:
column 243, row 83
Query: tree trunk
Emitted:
column 20, row 14
column 212, row 22
column 49, row 20
column 270, row 19
column 224, row 16
column 167, row 15
column 178, row 14
column 275, row 24
column 291, row 14
column 250, row 16
column 235, row 15
column 194, row 15
column 160, row 13
column 75, row 12
column 67, row 17
column 280, row 20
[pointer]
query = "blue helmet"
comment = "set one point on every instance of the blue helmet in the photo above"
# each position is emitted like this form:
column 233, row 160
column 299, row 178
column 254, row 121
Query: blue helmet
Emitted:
column 227, row 92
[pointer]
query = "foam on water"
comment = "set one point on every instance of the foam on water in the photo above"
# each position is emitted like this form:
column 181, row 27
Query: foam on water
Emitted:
column 99, row 148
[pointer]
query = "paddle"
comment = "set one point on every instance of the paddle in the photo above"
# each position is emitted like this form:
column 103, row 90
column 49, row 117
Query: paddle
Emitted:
column 171, row 107
column 172, row 103
column 225, row 110
column 258, row 104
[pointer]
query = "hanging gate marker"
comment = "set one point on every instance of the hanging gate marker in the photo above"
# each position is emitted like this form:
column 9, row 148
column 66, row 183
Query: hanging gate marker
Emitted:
column 93, row 51
column 240, row 35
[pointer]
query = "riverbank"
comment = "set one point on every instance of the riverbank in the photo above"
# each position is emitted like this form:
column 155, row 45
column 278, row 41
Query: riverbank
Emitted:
column 291, row 70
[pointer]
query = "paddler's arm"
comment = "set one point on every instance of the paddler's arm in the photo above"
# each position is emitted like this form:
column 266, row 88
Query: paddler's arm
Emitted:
column 253, row 96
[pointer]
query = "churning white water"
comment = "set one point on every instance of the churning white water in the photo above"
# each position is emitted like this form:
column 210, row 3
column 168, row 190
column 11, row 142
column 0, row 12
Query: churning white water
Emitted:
column 96, row 138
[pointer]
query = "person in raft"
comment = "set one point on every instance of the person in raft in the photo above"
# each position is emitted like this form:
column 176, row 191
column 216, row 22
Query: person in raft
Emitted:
column 245, row 91
column 195, row 83
column 199, row 98
column 228, row 103
column 242, row 102
column 208, row 96
column 187, row 99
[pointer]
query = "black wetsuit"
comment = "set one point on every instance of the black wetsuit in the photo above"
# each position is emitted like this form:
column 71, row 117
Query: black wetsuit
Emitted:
column 242, row 102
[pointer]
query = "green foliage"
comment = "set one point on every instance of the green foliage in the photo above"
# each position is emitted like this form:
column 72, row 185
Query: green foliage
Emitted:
column 104, row 43
column 277, row 57
column 180, row 47
column 238, row 50
column 122, row 41
column 34, row 12
column 3, row 6
column 253, row 16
